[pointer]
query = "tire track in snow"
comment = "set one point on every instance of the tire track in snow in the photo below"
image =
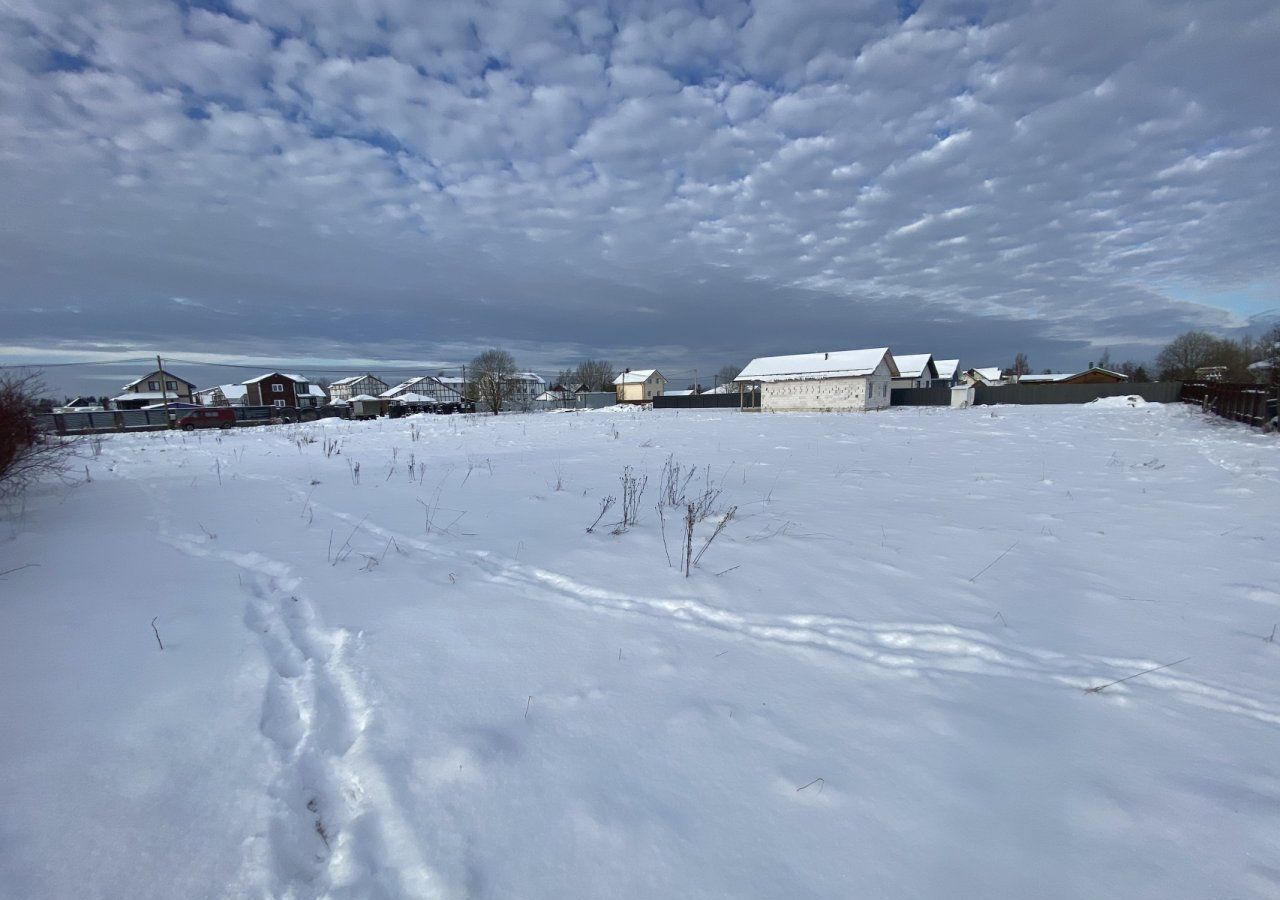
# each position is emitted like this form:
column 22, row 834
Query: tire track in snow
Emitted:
column 907, row 649
column 336, row 828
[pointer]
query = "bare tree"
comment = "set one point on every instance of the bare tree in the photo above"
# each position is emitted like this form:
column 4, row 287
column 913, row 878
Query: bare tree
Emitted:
column 596, row 374
column 26, row 453
column 727, row 374
column 1021, row 365
column 1181, row 357
column 490, row 373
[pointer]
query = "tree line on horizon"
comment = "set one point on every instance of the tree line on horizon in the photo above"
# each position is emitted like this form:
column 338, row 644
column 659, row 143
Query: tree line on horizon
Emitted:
column 1179, row 359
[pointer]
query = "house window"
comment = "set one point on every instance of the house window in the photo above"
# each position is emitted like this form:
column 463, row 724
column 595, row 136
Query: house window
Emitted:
column 153, row 385
column 278, row 389
column 279, row 404
column 171, row 385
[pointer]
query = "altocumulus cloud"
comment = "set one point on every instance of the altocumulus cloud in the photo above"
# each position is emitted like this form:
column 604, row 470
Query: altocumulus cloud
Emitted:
column 651, row 181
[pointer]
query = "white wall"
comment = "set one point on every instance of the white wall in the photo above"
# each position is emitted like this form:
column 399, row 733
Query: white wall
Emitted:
column 815, row 394
column 880, row 383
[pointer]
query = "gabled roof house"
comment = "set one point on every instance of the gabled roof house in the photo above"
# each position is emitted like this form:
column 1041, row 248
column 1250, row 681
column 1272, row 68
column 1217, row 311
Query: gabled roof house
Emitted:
column 156, row 386
column 838, row 380
column 915, row 370
column 640, row 386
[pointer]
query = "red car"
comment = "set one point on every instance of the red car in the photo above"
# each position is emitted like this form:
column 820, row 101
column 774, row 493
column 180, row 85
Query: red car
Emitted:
column 220, row 417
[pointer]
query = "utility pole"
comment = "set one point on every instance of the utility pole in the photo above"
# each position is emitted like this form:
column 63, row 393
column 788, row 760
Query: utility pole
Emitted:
column 164, row 392
column 695, row 381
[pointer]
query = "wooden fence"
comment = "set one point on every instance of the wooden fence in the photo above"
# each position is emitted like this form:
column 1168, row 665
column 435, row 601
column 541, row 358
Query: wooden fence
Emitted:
column 1252, row 404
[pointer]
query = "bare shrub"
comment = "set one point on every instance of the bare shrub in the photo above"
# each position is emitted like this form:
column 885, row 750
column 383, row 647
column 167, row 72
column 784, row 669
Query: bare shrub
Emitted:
column 632, row 491
column 605, row 505
column 689, row 559
column 27, row 454
column 674, row 488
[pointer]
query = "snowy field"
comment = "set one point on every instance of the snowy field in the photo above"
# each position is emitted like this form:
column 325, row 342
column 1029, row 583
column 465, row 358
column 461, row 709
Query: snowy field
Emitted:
column 431, row 681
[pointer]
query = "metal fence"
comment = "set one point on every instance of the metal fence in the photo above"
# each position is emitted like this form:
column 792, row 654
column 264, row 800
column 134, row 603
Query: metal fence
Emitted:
column 746, row 400
column 1252, row 404
column 1023, row 394
column 152, row 419
column 934, row 395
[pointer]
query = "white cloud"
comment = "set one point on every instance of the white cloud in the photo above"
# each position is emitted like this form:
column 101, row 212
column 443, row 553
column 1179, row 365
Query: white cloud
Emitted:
column 1015, row 162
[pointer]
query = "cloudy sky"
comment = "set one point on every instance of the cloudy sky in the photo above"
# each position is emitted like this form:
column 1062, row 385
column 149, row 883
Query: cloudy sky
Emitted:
column 679, row 184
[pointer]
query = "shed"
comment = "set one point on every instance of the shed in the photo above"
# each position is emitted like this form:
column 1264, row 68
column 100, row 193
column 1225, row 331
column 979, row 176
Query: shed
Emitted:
column 365, row 406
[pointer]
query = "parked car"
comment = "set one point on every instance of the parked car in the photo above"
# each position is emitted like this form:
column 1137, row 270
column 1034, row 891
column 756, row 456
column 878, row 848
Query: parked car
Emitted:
column 220, row 417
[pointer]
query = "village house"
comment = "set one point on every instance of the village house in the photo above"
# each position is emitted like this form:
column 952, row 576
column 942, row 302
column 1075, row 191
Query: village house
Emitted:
column 346, row 388
column 222, row 395
column 562, row 395
column 640, row 386
column 990, row 376
column 436, row 388
column 1093, row 375
column 837, row 381
column 915, row 371
column 524, row 387
column 154, row 387
column 281, row 390
column 947, row 370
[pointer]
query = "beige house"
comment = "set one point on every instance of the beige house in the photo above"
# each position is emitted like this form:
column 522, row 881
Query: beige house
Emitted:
column 640, row 386
column 836, row 381
column 154, row 387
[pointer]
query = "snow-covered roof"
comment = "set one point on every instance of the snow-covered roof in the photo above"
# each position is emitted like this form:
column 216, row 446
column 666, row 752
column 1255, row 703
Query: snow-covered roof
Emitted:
column 835, row 364
column 145, row 395
column 411, row 397
column 352, row 379
column 527, row 376
column 316, row 391
column 1261, row 365
column 912, row 365
column 726, row 388
column 988, row 373
column 399, row 388
column 639, row 376
column 1043, row 379
column 678, row 393
column 365, row 398
column 230, row 391
column 271, row 374
column 1066, row 376
column 947, row 367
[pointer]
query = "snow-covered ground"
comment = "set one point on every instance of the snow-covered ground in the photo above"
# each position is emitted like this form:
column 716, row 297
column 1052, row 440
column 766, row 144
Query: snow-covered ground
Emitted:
column 435, row 682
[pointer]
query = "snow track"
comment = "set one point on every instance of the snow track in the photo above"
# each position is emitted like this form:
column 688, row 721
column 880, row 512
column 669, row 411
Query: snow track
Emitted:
column 336, row 829
column 894, row 648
